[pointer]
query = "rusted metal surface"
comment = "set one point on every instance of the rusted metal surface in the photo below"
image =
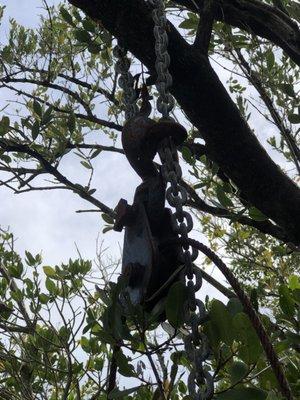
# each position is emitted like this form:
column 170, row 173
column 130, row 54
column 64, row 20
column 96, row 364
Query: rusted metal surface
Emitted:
column 147, row 222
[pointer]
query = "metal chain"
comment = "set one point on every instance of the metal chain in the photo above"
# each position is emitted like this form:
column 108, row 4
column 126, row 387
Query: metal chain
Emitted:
column 165, row 101
column 200, row 382
column 125, row 82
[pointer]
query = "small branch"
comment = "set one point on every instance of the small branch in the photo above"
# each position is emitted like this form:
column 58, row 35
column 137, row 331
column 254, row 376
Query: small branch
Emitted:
column 112, row 370
column 91, row 118
column 22, row 148
column 263, row 226
column 217, row 285
column 77, row 81
column 15, row 329
column 95, row 147
column 205, row 26
column 86, row 211
column 50, row 85
column 257, row 83
column 14, row 288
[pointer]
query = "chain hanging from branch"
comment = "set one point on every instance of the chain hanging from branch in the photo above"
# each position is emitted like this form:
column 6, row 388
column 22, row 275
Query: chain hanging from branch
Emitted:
column 200, row 382
column 126, row 81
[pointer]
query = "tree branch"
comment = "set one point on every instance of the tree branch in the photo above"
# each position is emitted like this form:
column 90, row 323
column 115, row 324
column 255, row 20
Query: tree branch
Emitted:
column 256, row 17
column 199, row 92
column 205, row 27
column 23, row 148
column 263, row 226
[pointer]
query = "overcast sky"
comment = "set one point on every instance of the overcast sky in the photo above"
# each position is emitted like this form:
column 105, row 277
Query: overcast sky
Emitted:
column 46, row 221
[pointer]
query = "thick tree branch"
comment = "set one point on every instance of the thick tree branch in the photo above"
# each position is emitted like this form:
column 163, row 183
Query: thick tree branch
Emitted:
column 205, row 27
column 198, row 90
column 256, row 17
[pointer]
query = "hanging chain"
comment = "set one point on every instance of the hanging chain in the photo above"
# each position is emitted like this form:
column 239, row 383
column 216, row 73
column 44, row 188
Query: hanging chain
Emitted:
column 126, row 82
column 200, row 382
column 165, row 101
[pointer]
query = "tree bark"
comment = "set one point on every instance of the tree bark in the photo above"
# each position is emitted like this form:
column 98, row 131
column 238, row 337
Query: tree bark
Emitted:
column 199, row 92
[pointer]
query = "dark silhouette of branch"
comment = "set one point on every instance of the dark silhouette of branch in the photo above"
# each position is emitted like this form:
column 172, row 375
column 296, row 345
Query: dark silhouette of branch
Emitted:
column 263, row 226
column 256, row 17
column 229, row 139
column 90, row 117
column 23, row 148
column 205, row 27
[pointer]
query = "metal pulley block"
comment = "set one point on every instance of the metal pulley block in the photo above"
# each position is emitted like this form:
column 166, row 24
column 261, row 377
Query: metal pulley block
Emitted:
column 147, row 222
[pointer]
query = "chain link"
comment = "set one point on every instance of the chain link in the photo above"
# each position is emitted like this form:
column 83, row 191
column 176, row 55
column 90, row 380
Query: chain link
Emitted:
column 165, row 101
column 126, row 82
column 200, row 382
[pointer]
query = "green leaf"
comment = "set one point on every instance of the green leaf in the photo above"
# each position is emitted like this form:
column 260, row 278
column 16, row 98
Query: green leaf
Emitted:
column 16, row 270
column 237, row 370
column 64, row 333
column 66, row 15
column 5, row 158
column 221, row 321
column 288, row 89
column 107, row 228
column 270, row 59
column 104, row 336
column 107, row 218
column 125, row 368
column 4, row 125
column 85, row 344
column 47, row 116
column 187, row 155
column 37, row 108
column 35, row 130
column 86, row 164
column 294, row 282
column 50, row 286
column 223, row 198
column 190, row 23
column 95, row 153
column 17, row 295
column 286, row 302
column 44, row 298
column 234, row 306
column 30, row 260
column 71, row 123
column 250, row 348
column 95, row 48
column 49, row 271
column 242, row 393
column 256, row 215
column 82, row 36
column 89, row 25
column 294, row 118
column 176, row 298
